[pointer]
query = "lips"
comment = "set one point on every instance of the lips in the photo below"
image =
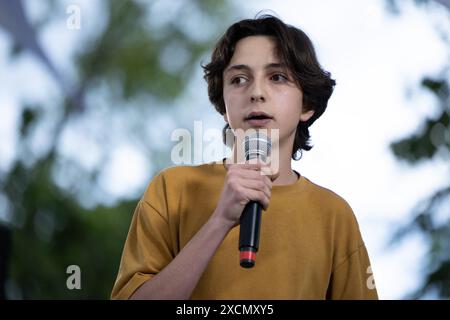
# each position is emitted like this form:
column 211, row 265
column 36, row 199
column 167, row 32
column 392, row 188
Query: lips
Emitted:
column 258, row 118
column 258, row 115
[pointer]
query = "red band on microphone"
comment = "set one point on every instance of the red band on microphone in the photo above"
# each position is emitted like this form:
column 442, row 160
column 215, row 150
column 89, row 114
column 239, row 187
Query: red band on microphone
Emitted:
column 247, row 255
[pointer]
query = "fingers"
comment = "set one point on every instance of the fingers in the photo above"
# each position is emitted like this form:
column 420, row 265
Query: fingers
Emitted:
column 251, row 179
column 253, row 175
column 260, row 197
column 257, row 185
column 246, row 190
column 260, row 168
column 264, row 169
column 270, row 173
column 253, row 164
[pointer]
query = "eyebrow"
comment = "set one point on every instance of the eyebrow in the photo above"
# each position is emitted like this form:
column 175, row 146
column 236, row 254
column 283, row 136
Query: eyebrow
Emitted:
column 246, row 67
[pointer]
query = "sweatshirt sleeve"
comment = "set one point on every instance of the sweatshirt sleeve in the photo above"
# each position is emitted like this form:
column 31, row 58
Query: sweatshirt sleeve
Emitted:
column 148, row 247
column 353, row 278
column 351, row 275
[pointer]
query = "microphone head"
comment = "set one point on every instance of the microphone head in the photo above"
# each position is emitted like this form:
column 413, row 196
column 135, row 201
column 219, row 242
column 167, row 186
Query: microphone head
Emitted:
column 257, row 145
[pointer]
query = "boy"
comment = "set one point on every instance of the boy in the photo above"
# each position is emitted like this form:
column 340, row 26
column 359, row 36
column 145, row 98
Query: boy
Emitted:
column 183, row 239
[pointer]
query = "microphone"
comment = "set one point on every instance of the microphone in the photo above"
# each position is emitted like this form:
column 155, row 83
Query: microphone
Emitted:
column 256, row 145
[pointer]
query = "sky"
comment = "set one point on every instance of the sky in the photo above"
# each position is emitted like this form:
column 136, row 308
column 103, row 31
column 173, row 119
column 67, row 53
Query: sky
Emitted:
column 377, row 60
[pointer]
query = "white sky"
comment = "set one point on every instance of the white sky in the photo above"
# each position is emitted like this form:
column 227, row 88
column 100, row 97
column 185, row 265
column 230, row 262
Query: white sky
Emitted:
column 375, row 59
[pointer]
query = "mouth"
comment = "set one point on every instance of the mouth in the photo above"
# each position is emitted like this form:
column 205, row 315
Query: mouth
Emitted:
column 258, row 118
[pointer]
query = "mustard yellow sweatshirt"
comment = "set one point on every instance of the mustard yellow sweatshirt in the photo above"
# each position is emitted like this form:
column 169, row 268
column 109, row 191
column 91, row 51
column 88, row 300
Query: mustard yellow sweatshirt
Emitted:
column 310, row 244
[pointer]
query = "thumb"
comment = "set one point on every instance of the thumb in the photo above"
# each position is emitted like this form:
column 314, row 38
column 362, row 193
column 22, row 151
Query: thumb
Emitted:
column 270, row 172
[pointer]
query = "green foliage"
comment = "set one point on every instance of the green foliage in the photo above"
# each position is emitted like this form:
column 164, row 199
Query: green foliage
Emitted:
column 51, row 229
column 423, row 145
column 129, row 52
column 431, row 217
column 29, row 115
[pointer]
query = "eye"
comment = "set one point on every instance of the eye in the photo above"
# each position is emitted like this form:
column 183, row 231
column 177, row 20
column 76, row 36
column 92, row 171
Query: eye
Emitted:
column 238, row 80
column 279, row 77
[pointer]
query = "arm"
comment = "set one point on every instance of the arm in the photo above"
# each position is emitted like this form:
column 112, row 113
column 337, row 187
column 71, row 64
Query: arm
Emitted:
column 179, row 278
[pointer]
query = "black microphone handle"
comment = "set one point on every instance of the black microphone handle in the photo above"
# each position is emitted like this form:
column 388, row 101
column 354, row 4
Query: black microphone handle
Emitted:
column 250, row 224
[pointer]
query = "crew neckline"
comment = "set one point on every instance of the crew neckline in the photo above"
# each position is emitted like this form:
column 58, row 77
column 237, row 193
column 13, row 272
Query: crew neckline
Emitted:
column 298, row 184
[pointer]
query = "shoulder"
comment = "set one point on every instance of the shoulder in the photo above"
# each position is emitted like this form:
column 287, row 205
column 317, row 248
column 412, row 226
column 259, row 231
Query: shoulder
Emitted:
column 171, row 186
column 177, row 178
column 340, row 215
column 327, row 198
column 335, row 208
column 187, row 172
column 180, row 175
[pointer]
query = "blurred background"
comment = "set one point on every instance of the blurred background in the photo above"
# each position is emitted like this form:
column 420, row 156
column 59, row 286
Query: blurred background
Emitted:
column 91, row 91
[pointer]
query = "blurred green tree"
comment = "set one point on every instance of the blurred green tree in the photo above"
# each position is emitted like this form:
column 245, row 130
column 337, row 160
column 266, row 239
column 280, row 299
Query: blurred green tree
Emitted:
column 124, row 64
column 431, row 217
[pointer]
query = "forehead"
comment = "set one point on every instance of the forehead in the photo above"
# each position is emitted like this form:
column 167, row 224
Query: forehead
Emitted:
column 255, row 50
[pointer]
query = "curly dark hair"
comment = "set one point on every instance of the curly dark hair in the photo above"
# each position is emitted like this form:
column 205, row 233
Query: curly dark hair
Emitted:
column 295, row 50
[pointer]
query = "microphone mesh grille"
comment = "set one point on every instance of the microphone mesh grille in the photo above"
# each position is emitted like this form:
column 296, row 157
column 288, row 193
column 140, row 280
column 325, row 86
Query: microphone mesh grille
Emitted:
column 257, row 145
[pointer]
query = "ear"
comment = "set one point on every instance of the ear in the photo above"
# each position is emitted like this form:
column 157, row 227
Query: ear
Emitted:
column 305, row 116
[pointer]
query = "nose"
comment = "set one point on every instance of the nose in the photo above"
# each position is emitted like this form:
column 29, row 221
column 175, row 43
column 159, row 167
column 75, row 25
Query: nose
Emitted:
column 258, row 93
column 257, row 98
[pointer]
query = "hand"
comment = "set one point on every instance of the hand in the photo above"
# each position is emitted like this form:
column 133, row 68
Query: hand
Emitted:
column 243, row 183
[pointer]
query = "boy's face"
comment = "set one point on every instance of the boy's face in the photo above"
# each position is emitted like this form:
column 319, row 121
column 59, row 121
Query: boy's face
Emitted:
column 254, row 81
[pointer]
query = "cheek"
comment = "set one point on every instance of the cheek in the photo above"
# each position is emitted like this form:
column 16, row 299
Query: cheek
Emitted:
column 290, row 104
column 232, row 100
